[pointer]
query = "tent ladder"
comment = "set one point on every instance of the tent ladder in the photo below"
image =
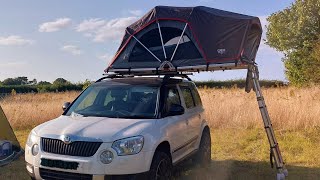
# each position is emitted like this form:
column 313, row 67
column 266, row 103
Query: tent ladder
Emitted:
column 274, row 147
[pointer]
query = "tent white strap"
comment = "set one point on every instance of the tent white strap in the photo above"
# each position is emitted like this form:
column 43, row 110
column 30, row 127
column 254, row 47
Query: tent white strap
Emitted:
column 146, row 48
column 175, row 50
column 164, row 50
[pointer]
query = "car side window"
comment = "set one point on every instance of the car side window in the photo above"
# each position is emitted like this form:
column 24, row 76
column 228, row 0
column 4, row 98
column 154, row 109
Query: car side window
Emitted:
column 196, row 95
column 173, row 98
column 187, row 95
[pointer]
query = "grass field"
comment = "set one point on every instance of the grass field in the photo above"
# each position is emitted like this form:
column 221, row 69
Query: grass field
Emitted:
column 239, row 144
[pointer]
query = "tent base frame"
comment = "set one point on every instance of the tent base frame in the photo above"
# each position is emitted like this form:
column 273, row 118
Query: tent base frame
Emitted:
column 199, row 68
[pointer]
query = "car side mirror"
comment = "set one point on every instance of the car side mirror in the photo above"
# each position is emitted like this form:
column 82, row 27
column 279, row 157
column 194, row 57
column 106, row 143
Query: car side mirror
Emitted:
column 176, row 109
column 65, row 106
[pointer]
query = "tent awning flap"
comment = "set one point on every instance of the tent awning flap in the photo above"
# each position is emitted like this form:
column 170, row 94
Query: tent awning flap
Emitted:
column 188, row 36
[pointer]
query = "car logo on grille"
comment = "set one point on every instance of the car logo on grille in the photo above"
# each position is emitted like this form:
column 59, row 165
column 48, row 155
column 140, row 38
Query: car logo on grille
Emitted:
column 66, row 139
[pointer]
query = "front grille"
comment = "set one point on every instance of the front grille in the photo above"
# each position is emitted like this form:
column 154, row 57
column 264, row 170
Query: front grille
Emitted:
column 78, row 148
column 55, row 175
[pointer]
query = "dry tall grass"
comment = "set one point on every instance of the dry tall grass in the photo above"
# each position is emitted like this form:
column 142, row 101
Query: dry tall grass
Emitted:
column 289, row 108
column 25, row 111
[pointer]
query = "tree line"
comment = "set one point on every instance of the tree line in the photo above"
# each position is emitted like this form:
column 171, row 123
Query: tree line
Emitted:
column 24, row 85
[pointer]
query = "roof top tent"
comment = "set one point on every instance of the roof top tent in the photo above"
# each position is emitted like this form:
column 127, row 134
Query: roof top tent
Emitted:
column 188, row 39
column 9, row 146
column 173, row 40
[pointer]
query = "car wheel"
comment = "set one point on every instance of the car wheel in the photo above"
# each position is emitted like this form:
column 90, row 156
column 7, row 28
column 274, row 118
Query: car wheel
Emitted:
column 203, row 156
column 161, row 167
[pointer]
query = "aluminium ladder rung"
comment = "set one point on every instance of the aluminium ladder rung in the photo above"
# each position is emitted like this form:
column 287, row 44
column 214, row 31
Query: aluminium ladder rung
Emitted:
column 274, row 146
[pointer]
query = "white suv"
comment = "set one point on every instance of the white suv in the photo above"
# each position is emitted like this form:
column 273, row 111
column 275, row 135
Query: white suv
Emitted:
column 132, row 127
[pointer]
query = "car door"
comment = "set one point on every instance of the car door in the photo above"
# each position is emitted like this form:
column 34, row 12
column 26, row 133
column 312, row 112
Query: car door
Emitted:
column 199, row 116
column 191, row 115
column 176, row 125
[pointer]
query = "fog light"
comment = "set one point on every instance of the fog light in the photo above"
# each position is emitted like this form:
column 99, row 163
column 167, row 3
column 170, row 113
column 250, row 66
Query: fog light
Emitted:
column 30, row 168
column 106, row 157
column 35, row 149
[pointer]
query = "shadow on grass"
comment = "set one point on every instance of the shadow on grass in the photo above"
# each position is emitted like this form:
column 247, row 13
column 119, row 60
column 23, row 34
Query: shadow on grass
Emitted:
column 246, row 170
column 219, row 170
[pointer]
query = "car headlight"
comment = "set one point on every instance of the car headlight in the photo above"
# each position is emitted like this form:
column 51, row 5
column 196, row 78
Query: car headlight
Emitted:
column 128, row 146
column 106, row 157
column 32, row 139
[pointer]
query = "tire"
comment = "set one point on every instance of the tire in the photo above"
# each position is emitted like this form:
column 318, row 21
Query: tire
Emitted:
column 161, row 167
column 203, row 156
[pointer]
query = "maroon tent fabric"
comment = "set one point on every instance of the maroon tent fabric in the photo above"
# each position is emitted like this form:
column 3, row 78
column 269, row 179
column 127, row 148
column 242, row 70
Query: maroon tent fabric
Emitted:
column 210, row 36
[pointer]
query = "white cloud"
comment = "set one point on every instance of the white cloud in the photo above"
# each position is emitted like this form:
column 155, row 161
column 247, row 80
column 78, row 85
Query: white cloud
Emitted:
column 106, row 57
column 12, row 65
column 71, row 49
column 14, row 40
column 56, row 25
column 90, row 25
column 136, row 12
column 113, row 29
column 103, row 30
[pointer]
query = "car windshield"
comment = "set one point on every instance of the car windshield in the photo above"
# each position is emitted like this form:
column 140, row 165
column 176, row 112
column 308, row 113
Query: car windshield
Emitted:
column 117, row 101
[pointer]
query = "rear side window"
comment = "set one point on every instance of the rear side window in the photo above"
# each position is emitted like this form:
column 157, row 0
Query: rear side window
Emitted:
column 173, row 98
column 196, row 95
column 187, row 95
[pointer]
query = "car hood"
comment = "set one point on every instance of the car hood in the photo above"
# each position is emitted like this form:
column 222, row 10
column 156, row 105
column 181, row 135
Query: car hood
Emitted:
column 92, row 128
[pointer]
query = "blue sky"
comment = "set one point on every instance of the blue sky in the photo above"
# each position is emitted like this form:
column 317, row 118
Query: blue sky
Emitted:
column 76, row 39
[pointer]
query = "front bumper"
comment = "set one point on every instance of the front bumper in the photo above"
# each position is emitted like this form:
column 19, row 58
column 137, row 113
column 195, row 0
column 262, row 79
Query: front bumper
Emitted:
column 51, row 174
column 121, row 165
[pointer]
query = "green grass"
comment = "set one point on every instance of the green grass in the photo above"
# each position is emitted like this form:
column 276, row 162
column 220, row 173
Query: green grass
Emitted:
column 236, row 154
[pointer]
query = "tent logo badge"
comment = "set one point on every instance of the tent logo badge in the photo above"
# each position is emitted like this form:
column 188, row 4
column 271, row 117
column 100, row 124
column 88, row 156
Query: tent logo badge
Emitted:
column 221, row 51
column 66, row 139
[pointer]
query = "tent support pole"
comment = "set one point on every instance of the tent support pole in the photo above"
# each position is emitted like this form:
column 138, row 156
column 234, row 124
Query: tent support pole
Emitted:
column 164, row 50
column 274, row 147
column 175, row 50
column 145, row 47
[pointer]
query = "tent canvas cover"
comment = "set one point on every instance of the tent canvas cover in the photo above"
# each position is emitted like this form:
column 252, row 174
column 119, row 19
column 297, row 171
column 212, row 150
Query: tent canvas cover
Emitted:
column 9, row 146
column 188, row 39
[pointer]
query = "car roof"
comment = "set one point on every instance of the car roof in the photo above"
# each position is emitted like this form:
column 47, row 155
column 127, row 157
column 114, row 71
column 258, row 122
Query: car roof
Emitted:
column 153, row 81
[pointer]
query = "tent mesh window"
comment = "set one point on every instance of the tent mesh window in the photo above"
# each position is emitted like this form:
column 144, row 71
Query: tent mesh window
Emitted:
column 171, row 37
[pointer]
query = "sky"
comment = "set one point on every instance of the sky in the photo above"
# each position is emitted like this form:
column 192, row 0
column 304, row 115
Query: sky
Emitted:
column 75, row 39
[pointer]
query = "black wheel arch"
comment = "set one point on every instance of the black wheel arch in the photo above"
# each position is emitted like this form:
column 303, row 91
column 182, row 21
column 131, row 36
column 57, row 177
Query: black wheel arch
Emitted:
column 164, row 147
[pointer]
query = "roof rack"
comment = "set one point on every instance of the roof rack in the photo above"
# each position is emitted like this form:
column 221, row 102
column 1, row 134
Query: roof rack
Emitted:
column 166, row 74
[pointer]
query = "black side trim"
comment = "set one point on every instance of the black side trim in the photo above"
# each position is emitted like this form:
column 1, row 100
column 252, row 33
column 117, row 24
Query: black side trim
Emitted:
column 186, row 144
column 186, row 157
